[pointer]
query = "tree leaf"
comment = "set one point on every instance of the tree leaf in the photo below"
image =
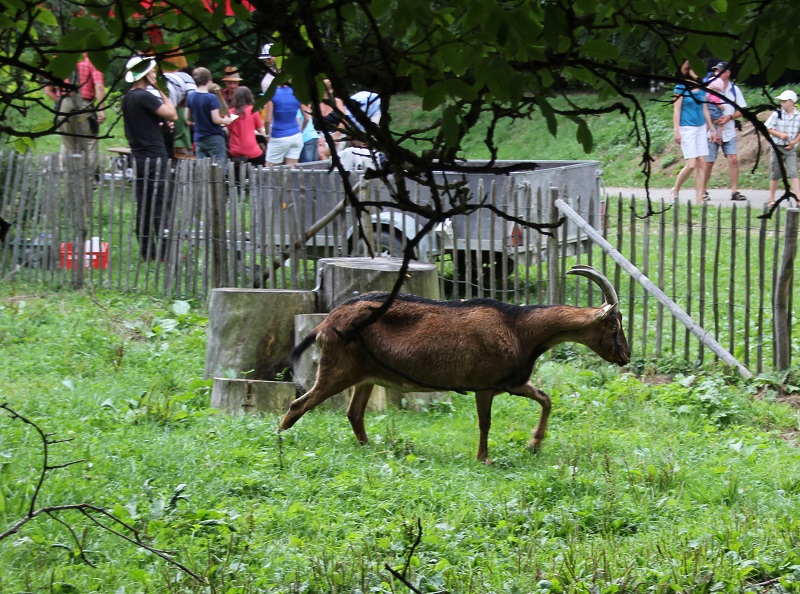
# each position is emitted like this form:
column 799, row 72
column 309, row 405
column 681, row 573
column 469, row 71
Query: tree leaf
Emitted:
column 379, row 8
column 434, row 96
column 62, row 65
column 451, row 126
column 601, row 49
column 776, row 67
column 458, row 89
column 584, row 135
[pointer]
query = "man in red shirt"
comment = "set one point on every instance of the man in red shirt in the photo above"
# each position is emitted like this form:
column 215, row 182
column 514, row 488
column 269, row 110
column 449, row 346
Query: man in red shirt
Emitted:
column 79, row 107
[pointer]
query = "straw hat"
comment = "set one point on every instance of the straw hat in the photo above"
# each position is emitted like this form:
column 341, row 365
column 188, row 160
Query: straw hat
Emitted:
column 231, row 74
column 138, row 67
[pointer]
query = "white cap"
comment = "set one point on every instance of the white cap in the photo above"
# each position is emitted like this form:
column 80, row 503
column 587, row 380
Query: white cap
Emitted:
column 136, row 69
column 787, row 94
column 265, row 51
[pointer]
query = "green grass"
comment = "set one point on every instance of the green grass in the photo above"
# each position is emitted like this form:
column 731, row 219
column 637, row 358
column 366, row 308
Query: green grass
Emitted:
column 691, row 485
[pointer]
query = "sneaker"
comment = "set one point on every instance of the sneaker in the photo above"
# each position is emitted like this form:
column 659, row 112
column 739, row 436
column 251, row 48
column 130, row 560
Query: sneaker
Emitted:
column 738, row 196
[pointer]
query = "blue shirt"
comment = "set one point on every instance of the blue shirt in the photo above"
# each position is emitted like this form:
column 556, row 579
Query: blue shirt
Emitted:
column 202, row 104
column 309, row 132
column 284, row 112
column 692, row 107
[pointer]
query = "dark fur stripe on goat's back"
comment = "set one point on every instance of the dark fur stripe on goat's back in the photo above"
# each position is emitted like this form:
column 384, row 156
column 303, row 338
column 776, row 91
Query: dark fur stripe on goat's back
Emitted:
column 507, row 309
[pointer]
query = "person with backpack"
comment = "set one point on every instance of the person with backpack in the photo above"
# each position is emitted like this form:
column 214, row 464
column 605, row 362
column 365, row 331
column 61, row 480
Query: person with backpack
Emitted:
column 733, row 102
column 784, row 126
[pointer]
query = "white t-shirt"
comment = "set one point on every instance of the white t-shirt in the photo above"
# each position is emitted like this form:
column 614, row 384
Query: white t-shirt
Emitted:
column 734, row 94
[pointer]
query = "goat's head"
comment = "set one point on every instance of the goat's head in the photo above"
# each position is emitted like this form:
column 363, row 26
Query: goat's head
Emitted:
column 606, row 337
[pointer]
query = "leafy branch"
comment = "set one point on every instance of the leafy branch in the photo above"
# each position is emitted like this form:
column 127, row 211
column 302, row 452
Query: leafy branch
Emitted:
column 97, row 515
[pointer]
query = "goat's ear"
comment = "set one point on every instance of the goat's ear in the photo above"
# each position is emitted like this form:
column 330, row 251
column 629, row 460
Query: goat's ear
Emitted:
column 604, row 310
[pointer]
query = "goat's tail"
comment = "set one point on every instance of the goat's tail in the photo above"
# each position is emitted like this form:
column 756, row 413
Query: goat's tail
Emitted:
column 301, row 348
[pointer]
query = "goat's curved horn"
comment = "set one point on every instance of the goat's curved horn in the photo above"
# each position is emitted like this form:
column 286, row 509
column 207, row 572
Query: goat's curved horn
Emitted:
column 609, row 293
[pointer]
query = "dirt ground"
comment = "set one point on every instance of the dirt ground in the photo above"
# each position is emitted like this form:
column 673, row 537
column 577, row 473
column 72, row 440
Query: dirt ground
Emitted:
column 748, row 144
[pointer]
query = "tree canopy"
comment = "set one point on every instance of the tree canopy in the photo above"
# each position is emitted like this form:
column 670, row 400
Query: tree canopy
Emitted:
column 467, row 60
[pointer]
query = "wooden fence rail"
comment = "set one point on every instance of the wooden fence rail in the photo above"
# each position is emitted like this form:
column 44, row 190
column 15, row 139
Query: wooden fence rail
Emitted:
column 268, row 227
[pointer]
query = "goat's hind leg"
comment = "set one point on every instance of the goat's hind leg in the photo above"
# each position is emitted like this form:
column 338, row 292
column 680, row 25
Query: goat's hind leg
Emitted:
column 528, row 390
column 483, row 401
column 355, row 412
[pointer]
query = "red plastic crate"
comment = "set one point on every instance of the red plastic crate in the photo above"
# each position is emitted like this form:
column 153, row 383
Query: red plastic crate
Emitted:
column 95, row 254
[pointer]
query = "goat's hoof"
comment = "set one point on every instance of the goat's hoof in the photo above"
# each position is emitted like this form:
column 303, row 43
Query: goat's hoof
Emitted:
column 286, row 423
column 535, row 447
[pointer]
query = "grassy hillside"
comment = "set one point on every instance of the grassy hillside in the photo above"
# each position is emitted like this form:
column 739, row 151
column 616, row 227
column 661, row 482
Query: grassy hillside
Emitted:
column 614, row 141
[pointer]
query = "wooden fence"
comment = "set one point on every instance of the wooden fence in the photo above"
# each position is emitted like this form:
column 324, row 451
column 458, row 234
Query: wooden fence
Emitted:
column 267, row 228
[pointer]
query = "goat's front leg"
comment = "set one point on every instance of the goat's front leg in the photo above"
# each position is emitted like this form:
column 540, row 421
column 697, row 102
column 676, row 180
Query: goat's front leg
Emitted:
column 355, row 412
column 318, row 394
column 530, row 391
column 483, row 401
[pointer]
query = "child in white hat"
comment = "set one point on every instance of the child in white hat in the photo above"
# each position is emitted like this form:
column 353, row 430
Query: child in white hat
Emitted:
column 784, row 126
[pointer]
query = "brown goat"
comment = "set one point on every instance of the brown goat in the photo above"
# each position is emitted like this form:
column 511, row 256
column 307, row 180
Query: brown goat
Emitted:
column 478, row 345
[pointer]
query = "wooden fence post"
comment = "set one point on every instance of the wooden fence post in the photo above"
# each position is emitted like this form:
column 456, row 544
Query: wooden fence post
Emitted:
column 554, row 293
column 783, row 292
column 218, row 228
column 79, row 233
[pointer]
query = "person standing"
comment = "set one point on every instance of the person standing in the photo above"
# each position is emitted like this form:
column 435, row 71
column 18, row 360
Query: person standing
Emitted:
column 244, row 128
column 272, row 69
column 329, row 125
column 231, row 79
column 691, row 122
column 178, row 138
column 369, row 104
column 79, row 108
column 283, row 129
column 784, row 126
column 731, row 110
column 310, row 152
column 203, row 110
column 143, row 113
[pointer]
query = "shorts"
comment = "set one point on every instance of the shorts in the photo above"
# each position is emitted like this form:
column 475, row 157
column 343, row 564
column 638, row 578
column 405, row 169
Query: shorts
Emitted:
column 789, row 159
column 286, row 147
column 310, row 151
column 729, row 147
column 694, row 142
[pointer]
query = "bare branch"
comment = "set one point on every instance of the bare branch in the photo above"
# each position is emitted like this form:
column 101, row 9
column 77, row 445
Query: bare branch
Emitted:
column 88, row 510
